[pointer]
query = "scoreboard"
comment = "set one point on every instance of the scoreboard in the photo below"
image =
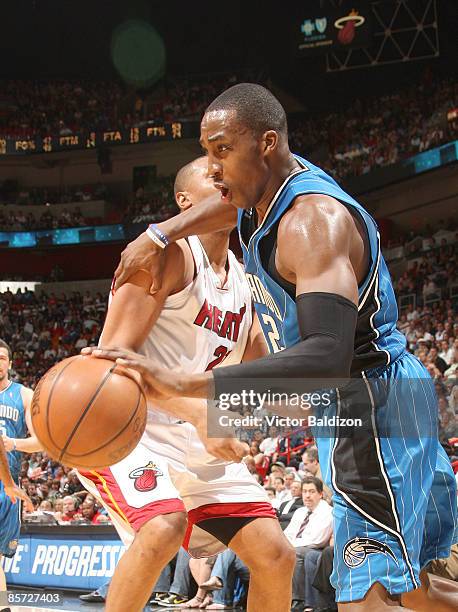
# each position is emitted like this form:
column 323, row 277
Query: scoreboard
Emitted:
column 93, row 140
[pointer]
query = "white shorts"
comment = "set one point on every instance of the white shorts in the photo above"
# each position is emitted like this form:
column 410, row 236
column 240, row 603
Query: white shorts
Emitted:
column 171, row 471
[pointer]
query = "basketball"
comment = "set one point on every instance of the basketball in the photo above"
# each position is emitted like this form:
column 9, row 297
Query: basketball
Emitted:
column 87, row 414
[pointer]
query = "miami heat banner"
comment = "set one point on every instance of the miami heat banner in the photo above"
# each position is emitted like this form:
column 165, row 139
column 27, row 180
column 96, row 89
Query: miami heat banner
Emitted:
column 331, row 30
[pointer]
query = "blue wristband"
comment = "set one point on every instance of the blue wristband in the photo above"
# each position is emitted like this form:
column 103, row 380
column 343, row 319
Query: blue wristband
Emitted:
column 157, row 236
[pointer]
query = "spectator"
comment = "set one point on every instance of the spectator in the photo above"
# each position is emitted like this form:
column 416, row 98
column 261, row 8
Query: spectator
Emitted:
column 281, row 492
column 309, row 531
column 286, row 509
column 74, row 486
column 434, row 358
column 90, row 512
column 228, row 567
column 70, row 513
column 312, row 467
column 269, row 445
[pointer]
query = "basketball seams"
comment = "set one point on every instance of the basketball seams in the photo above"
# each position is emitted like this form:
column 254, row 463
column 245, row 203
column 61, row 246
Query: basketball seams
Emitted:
column 95, row 450
column 83, row 414
column 48, row 403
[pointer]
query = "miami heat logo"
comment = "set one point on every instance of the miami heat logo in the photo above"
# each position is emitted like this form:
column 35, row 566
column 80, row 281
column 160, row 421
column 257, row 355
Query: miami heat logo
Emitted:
column 347, row 26
column 357, row 550
column 146, row 477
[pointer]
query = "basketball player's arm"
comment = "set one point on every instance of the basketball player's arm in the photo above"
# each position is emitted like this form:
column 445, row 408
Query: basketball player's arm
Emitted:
column 133, row 310
column 144, row 254
column 30, row 444
column 11, row 488
column 313, row 248
column 256, row 346
column 314, row 245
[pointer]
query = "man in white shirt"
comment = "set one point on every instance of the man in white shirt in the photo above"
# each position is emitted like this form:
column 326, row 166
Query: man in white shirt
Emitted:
column 412, row 315
column 309, row 531
column 269, row 446
column 282, row 494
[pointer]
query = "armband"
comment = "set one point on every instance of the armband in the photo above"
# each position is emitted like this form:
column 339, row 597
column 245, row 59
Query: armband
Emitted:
column 157, row 236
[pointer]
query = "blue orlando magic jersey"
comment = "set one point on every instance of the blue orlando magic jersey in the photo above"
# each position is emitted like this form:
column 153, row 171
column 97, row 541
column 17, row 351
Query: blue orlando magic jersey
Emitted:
column 12, row 422
column 377, row 340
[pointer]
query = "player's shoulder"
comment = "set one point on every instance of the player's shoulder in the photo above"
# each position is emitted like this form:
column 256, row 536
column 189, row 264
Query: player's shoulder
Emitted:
column 314, row 214
column 179, row 266
column 317, row 206
column 26, row 392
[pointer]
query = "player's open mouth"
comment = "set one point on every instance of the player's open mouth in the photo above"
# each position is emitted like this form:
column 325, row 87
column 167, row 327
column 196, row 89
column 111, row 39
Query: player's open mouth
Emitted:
column 225, row 194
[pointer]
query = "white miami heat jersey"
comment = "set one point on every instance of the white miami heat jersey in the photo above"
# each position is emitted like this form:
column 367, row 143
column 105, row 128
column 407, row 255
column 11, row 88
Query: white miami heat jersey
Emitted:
column 203, row 325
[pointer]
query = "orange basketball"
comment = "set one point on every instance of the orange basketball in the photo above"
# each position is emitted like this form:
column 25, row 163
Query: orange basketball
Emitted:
column 87, row 414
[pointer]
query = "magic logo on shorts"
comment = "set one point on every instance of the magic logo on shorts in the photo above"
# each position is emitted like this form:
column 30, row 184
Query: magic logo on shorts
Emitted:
column 145, row 478
column 357, row 550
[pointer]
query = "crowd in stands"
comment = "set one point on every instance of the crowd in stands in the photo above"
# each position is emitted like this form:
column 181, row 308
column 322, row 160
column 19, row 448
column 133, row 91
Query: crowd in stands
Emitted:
column 152, row 207
column 18, row 220
column 39, row 196
column 42, row 108
column 370, row 133
column 47, row 328
column 430, row 262
column 379, row 131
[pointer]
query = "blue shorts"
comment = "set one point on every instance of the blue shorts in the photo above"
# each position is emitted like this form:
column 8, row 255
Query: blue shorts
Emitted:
column 10, row 524
column 395, row 505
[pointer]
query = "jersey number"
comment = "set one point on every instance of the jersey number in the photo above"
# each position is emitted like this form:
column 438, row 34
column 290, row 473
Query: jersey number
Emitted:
column 273, row 334
column 3, row 428
column 220, row 353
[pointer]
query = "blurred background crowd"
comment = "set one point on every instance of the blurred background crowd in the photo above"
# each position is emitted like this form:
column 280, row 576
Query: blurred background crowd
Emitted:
column 353, row 140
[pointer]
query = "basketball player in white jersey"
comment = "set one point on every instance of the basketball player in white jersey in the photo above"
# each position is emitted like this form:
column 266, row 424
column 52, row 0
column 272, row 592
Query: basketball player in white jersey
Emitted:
column 201, row 317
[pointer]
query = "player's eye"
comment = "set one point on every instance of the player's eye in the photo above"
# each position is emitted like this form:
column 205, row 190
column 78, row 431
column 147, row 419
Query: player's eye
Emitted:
column 222, row 148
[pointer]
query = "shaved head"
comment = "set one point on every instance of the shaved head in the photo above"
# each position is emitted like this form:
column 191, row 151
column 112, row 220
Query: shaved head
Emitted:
column 255, row 107
column 186, row 174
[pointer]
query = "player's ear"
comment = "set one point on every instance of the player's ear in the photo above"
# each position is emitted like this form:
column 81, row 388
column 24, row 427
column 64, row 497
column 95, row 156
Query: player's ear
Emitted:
column 182, row 200
column 269, row 141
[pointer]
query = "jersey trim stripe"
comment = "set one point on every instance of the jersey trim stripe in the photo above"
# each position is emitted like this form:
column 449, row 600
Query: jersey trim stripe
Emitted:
column 395, row 532
column 373, row 276
column 275, row 198
column 109, row 495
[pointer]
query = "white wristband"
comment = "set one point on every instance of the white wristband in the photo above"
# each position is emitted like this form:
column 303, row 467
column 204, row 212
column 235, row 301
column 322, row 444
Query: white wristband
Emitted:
column 155, row 239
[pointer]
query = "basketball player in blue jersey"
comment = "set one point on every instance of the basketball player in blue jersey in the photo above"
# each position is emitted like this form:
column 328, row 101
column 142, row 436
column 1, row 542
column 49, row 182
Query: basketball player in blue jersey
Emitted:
column 15, row 419
column 326, row 304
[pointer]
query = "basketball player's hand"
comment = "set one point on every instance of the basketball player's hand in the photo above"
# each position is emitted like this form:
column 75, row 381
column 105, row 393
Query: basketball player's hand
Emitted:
column 157, row 382
column 141, row 254
column 8, row 443
column 229, row 449
column 15, row 493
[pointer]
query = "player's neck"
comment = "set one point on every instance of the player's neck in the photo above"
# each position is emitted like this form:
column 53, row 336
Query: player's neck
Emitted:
column 216, row 246
column 284, row 167
column 4, row 383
